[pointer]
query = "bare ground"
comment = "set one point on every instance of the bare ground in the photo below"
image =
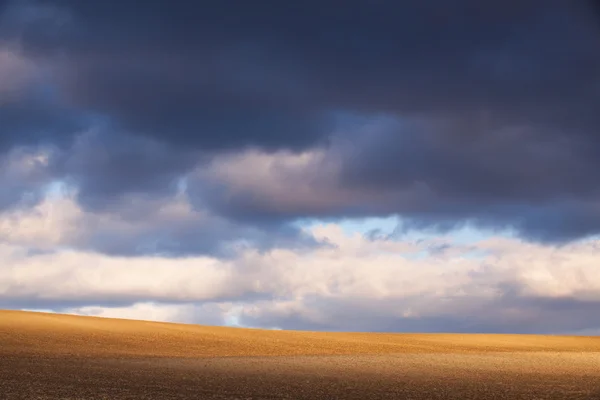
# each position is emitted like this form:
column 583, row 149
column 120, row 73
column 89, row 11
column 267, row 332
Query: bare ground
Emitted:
column 46, row 356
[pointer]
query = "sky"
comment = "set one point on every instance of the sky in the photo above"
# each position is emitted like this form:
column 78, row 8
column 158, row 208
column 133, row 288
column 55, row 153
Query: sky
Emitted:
column 384, row 165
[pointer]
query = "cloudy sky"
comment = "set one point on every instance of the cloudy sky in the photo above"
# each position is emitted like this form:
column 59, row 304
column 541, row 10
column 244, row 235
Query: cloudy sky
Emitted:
column 377, row 166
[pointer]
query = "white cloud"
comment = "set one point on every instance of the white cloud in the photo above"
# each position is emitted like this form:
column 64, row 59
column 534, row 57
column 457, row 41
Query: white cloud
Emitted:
column 138, row 226
column 68, row 275
column 50, row 223
column 281, row 180
column 355, row 283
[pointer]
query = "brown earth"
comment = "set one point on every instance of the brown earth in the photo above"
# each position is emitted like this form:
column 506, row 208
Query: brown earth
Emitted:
column 50, row 356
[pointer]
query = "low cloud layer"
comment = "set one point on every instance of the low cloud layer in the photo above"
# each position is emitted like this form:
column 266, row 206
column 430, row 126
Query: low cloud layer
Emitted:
column 353, row 283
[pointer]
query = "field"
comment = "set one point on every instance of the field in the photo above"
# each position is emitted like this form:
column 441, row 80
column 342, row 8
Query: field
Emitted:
column 50, row 356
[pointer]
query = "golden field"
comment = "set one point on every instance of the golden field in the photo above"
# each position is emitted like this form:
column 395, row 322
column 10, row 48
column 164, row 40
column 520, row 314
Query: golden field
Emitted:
column 47, row 356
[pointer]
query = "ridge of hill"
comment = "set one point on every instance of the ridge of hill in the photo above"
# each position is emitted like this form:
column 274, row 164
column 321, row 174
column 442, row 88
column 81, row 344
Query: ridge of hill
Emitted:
column 25, row 332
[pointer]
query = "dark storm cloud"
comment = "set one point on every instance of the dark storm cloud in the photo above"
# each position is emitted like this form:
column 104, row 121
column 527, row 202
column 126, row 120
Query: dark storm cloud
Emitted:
column 231, row 73
column 105, row 166
column 506, row 93
column 540, row 181
column 30, row 126
column 33, row 121
column 167, row 73
column 595, row 4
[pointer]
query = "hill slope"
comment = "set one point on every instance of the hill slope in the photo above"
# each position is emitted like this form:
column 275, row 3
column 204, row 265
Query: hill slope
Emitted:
column 24, row 333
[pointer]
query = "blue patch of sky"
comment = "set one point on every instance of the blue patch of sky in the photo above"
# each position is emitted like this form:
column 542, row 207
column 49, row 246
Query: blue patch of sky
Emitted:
column 56, row 189
column 391, row 229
